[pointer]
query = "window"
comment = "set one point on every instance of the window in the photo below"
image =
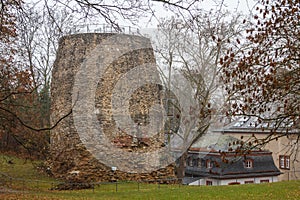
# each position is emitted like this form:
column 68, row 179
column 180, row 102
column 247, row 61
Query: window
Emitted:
column 209, row 183
column 208, row 164
column 199, row 163
column 284, row 162
column 249, row 163
column 249, row 182
column 190, row 162
column 195, row 162
column 234, row 183
column 265, row 181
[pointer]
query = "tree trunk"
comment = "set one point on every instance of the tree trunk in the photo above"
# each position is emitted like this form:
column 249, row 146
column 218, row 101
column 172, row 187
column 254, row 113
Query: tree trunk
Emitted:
column 180, row 167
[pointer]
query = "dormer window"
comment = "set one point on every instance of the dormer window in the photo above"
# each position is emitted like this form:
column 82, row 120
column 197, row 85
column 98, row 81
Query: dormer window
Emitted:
column 190, row 162
column 208, row 164
column 195, row 162
column 199, row 163
column 248, row 163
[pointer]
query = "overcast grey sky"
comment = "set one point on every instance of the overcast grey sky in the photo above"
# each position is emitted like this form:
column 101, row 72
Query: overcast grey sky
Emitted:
column 234, row 6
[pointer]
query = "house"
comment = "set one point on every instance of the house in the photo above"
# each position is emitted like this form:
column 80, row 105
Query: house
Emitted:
column 217, row 165
column 286, row 154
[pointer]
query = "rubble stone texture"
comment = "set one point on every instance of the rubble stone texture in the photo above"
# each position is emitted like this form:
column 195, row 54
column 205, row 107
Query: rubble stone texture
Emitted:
column 69, row 157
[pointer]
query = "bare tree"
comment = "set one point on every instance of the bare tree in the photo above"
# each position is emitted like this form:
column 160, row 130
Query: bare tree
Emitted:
column 29, row 40
column 193, row 48
column 14, row 82
column 39, row 28
column 132, row 11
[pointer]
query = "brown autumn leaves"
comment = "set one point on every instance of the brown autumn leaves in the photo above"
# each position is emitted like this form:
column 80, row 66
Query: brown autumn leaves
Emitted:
column 262, row 77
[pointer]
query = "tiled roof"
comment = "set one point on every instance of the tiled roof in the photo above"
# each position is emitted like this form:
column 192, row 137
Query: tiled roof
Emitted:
column 263, row 165
column 188, row 180
column 251, row 124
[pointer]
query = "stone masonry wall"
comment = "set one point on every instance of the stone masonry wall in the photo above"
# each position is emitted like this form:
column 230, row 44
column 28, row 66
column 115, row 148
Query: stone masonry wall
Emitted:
column 70, row 158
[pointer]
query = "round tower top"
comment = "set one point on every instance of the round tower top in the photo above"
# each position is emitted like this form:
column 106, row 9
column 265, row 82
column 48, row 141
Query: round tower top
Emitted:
column 103, row 28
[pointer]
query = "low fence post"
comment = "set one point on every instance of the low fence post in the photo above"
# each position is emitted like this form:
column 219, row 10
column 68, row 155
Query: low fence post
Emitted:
column 23, row 186
column 158, row 184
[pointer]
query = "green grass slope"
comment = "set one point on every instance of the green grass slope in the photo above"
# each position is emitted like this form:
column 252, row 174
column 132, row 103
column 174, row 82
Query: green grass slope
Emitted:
column 21, row 180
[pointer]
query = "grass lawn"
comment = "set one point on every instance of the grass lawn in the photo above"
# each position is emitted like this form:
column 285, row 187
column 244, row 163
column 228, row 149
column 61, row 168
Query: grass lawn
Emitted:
column 33, row 185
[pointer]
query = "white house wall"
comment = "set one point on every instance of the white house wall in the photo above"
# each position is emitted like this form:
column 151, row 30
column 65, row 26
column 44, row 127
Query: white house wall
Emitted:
column 239, row 180
column 244, row 180
column 198, row 182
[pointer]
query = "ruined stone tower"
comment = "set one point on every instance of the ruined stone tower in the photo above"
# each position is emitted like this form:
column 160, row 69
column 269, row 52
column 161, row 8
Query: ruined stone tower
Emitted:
column 71, row 158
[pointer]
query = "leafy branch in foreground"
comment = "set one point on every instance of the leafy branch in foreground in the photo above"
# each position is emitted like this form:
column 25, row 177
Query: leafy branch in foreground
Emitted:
column 262, row 77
